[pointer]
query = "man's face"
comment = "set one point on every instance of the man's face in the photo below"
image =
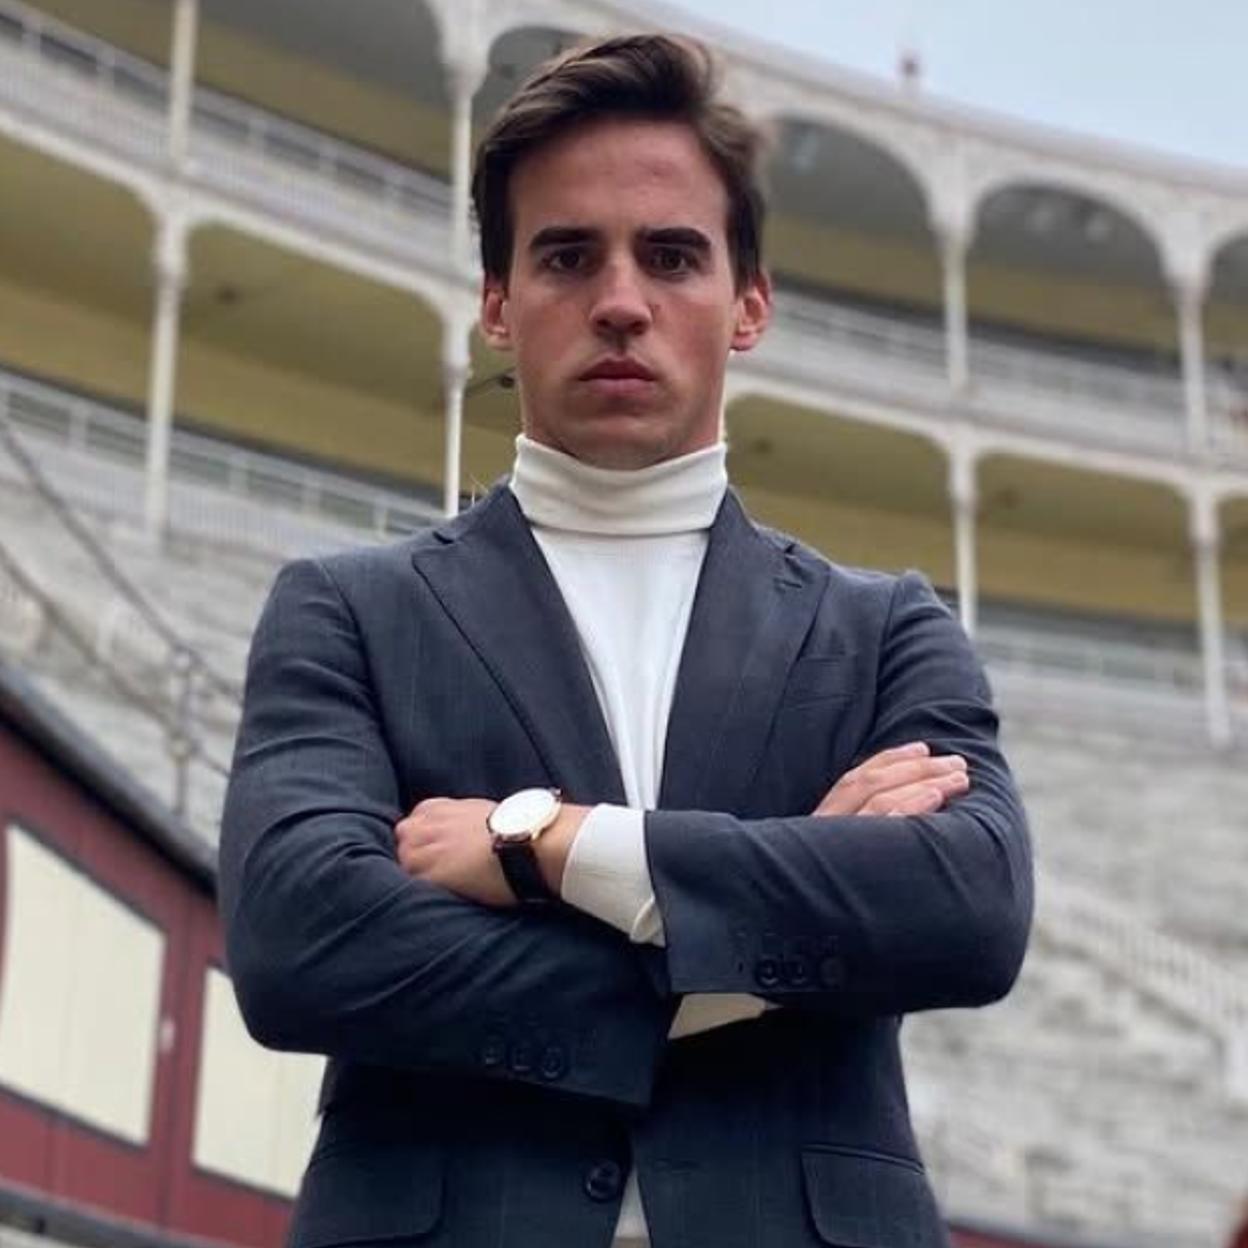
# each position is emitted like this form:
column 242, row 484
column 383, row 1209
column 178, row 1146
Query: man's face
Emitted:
column 620, row 305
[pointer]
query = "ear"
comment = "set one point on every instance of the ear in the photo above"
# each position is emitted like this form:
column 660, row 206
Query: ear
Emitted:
column 495, row 322
column 753, row 312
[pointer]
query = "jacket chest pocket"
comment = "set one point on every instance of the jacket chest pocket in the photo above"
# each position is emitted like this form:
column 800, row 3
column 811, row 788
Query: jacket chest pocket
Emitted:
column 829, row 679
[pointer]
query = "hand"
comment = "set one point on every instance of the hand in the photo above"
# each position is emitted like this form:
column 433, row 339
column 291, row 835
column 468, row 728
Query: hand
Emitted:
column 905, row 780
column 445, row 841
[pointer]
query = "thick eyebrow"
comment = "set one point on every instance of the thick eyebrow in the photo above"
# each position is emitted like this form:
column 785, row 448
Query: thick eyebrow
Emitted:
column 561, row 236
column 663, row 236
column 678, row 236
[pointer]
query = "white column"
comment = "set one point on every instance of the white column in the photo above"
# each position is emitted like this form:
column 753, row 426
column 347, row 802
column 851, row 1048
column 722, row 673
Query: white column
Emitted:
column 182, row 78
column 1190, row 301
column 464, row 76
column 1206, row 544
column 963, row 494
column 170, row 265
column 456, row 370
column 953, row 249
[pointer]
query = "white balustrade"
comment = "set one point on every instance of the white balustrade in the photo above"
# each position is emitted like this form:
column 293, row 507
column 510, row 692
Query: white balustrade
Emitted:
column 322, row 504
column 1174, row 973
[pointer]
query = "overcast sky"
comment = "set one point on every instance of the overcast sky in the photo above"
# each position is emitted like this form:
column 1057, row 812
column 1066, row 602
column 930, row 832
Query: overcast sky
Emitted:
column 1171, row 75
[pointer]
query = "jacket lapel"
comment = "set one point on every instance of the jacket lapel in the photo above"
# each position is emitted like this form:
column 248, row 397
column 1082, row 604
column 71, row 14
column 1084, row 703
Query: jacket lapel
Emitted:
column 751, row 613
column 491, row 577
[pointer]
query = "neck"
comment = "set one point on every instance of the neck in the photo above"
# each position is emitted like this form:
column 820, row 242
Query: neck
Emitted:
column 679, row 495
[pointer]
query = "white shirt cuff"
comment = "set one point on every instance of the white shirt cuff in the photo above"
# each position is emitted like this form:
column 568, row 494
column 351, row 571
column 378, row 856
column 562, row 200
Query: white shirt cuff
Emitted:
column 607, row 875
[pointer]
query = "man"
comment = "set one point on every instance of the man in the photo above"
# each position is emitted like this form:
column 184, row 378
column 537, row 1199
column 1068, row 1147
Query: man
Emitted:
column 600, row 837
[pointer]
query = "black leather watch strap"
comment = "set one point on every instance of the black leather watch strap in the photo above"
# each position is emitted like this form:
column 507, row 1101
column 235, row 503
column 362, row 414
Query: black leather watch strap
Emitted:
column 519, row 864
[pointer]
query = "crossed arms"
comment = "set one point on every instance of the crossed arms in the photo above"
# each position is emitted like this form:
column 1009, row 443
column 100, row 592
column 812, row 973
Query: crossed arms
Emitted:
column 339, row 944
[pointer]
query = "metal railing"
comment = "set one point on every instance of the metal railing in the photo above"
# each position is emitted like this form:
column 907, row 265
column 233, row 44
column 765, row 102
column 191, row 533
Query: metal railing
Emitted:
column 1105, row 660
column 300, row 174
column 1228, row 416
column 328, row 501
column 173, row 697
column 111, row 97
column 1024, row 386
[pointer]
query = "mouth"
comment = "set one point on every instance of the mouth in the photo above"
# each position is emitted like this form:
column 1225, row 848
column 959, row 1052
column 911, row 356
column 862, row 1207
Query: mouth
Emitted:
column 619, row 370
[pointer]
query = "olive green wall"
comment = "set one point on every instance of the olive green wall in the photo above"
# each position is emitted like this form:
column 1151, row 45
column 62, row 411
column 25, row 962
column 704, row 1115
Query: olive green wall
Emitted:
column 98, row 350
column 291, row 85
column 1015, row 565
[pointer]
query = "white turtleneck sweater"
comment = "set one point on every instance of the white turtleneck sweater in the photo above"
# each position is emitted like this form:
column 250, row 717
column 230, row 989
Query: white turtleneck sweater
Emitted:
column 626, row 549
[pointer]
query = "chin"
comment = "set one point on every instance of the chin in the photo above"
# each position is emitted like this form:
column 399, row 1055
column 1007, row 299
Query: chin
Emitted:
column 623, row 449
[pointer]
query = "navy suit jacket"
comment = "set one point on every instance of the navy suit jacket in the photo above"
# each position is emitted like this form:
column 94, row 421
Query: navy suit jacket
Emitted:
column 494, row 1073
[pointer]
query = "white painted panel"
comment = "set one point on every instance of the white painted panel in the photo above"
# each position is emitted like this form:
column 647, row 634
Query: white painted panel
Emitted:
column 255, row 1112
column 79, row 993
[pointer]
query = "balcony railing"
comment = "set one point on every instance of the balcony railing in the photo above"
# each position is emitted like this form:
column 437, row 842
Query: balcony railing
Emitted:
column 1026, row 387
column 80, row 84
column 119, row 101
column 280, row 504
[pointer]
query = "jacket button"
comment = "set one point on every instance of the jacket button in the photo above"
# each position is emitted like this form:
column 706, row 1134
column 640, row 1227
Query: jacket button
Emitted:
column 767, row 972
column 604, row 1181
column 521, row 1058
column 831, row 971
column 796, row 972
column 493, row 1050
column 554, row 1063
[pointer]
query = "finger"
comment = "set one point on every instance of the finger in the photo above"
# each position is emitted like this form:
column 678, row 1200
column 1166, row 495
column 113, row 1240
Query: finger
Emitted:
column 897, row 753
column 925, row 802
column 854, row 795
column 888, row 769
column 887, row 800
column 413, row 857
column 892, row 776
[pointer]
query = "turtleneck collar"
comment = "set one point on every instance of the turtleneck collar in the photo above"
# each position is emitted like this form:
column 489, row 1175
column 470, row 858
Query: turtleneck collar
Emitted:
column 678, row 495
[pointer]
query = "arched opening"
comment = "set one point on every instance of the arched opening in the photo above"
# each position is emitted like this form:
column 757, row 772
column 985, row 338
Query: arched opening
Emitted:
column 513, row 56
column 378, row 83
column 75, row 278
column 860, row 493
column 849, row 224
column 1088, row 592
column 1066, row 292
column 1226, row 345
column 1233, row 519
column 286, row 352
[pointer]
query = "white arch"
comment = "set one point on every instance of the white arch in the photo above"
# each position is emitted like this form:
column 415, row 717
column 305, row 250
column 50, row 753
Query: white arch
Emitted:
column 545, row 15
column 1228, row 233
column 897, row 152
column 989, row 185
column 906, row 150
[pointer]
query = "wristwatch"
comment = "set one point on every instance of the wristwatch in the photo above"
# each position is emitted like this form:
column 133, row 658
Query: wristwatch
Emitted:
column 514, row 824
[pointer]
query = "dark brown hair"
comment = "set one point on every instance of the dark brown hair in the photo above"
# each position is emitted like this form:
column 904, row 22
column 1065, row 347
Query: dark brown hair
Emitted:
column 657, row 77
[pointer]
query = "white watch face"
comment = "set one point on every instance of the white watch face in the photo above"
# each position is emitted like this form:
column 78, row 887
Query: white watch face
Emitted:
column 523, row 813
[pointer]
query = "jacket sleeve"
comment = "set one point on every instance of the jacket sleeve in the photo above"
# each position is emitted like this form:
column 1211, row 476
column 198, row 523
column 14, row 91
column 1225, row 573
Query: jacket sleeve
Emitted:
column 865, row 914
column 334, row 949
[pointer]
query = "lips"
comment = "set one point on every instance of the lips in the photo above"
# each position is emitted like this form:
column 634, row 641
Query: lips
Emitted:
column 618, row 370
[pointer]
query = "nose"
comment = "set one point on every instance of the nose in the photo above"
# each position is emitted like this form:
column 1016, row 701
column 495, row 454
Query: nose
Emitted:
column 621, row 308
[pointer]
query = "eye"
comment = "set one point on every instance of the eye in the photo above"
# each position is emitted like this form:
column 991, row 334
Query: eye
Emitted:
column 565, row 260
column 672, row 261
